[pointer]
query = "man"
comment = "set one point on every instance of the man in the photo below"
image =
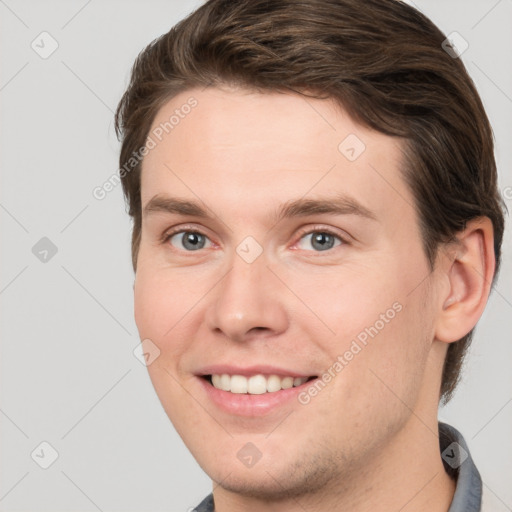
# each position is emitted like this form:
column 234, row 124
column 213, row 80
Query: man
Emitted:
column 317, row 228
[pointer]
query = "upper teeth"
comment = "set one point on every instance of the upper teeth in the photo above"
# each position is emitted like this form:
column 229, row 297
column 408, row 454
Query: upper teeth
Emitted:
column 255, row 385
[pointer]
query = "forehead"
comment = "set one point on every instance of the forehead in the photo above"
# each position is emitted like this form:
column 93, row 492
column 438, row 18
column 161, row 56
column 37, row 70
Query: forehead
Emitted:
column 236, row 144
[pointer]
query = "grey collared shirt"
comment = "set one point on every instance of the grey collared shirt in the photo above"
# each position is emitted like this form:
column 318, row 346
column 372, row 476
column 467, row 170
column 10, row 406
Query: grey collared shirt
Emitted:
column 457, row 462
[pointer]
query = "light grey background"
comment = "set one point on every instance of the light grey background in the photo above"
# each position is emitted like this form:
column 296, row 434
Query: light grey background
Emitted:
column 68, row 373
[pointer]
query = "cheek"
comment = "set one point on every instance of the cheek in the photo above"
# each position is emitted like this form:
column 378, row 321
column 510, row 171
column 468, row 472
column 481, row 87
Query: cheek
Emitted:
column 149, row 301
column 159, row 310
column 168, row 309
column 379, row 329
column 342, row 305
column 388, row 373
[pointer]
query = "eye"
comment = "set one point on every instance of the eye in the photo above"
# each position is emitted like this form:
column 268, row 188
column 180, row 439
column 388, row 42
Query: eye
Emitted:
column 320, row 240
column 189, row 240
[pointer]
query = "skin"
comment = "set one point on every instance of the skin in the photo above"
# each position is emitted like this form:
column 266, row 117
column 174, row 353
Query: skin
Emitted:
column 356, row 445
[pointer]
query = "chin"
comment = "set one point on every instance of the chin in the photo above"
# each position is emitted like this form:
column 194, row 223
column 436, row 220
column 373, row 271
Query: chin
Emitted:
column 260, row 485
column 275, row 476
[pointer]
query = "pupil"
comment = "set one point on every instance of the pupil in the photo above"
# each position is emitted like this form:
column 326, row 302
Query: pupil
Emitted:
column 193, row 241
column 324, row 241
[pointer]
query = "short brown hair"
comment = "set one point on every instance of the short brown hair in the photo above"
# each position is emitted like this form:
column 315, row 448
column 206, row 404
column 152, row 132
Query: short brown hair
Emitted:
column 381, row 60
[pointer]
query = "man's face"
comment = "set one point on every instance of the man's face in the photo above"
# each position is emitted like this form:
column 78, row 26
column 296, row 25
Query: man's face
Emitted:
column 318, row 291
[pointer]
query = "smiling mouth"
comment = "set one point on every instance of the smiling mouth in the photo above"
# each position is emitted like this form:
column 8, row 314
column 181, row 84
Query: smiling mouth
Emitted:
column 256, row 384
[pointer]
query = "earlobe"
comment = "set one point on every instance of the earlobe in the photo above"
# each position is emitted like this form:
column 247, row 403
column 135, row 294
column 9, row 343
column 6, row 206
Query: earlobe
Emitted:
column 469, row 271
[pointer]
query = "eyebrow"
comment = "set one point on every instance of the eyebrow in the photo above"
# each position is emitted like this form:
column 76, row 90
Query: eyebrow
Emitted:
column 338, row 205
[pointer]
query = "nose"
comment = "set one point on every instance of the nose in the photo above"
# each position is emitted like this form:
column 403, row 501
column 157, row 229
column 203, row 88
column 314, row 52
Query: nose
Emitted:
column 248, row 302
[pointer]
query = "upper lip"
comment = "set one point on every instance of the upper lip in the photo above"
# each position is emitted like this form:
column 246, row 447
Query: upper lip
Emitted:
column 219, row 369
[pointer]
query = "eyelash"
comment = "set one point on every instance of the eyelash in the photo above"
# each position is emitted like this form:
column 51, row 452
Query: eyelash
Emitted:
column 316, row 229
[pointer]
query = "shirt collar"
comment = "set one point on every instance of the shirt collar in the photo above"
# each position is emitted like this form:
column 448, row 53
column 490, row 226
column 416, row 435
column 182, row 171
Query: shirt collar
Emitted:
column 459, row 464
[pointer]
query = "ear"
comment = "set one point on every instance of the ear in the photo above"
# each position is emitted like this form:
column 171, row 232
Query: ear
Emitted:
column 469, row 271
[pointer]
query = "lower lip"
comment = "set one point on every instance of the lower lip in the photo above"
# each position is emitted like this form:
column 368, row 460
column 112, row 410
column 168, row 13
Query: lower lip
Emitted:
column 244, row 404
